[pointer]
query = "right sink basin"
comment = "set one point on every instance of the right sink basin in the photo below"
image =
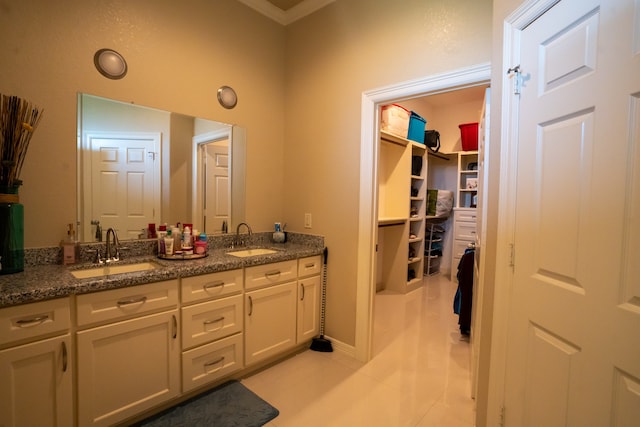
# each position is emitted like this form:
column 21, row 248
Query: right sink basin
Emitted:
column 252, row 252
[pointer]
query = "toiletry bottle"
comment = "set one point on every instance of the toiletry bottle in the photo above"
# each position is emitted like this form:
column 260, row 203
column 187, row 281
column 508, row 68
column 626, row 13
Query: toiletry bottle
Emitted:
column 186, row 238
column 70, row 248
column 168, row 243
column 201, row 244
column 177, row 239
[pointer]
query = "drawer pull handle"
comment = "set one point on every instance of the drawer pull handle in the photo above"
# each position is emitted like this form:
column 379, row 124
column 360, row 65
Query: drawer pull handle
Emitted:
column 64, row 356
column 215, row 362
column 215, row 284
column 272, row 273
column 302, row 293
column 208, row 322
column 310, row 265
column 132, row 301
column 32, row 322
column 250, row 305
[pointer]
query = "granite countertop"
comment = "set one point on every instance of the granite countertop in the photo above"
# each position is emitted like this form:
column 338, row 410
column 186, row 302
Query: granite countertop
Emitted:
column 42, row 282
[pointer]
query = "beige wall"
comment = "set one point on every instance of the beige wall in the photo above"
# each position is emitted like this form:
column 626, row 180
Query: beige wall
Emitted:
column 178, row 54
column 303, row 149
column 332, row 57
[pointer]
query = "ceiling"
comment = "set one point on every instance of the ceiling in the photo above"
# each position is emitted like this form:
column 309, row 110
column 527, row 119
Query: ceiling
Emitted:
column 286, row 11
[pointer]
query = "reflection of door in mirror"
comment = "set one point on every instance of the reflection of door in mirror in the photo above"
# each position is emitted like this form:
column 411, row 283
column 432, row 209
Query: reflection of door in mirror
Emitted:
column 217, row 197
column 123, row 171
column 212, row 184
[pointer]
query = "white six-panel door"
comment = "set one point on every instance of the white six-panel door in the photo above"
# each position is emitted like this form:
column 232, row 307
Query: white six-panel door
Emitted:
column 573, row 347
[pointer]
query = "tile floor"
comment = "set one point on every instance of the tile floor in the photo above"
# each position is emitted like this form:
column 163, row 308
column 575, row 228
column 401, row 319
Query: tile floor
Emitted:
column 418, row 377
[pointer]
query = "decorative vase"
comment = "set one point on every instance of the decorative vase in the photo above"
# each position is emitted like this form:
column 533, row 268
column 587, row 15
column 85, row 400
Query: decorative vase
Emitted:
column 11, row 231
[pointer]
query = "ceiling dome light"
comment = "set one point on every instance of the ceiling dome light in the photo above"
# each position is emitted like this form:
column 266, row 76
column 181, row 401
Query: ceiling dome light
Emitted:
column 110, row 64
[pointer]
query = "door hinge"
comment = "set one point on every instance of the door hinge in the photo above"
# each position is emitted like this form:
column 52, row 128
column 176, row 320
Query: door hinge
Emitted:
column 502, row 421
column 515, row 71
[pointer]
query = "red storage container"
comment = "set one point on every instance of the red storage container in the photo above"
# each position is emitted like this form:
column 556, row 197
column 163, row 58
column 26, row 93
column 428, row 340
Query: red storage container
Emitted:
column 469, row 135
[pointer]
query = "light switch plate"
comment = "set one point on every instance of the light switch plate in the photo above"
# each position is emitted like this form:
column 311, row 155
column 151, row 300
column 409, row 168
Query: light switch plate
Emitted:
column 307, row 220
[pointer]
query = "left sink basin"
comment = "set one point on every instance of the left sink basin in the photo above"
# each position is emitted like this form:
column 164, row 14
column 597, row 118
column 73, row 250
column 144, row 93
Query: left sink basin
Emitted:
column 114, row 269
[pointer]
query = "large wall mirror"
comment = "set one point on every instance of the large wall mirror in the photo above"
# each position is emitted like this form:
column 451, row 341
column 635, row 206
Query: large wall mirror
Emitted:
column 139, row 165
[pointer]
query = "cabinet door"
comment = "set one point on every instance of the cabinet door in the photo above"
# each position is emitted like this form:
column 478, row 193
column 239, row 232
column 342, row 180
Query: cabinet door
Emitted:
column 308, row 324
column 127, row 367
column 270, row 321
column 36, row 385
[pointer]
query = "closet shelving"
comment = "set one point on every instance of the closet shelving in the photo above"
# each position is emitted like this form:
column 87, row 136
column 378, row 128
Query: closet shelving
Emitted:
column 434, row 244
column 467, row 179
column 418, row 208
column 401, row 210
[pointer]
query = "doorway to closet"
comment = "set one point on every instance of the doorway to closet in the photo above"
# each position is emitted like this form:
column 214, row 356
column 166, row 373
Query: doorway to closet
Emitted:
column 370, row 149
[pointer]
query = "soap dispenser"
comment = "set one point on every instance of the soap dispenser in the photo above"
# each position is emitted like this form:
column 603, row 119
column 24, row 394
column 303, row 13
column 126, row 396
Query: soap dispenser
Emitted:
column 70, row 248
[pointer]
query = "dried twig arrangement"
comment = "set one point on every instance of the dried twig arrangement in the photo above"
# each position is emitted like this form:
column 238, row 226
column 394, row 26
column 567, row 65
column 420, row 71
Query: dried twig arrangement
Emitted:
column 18, row 121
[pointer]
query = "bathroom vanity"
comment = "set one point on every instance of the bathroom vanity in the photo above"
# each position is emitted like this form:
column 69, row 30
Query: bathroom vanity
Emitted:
column 107, row 349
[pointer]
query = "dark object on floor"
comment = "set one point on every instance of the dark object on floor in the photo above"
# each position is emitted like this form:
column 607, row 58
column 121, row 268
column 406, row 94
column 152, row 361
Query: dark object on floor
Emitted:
column 464, row 295
column 321, row 343
column 228, row 405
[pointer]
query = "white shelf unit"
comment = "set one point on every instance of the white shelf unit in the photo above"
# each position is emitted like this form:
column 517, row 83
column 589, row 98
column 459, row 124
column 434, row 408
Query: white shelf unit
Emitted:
column 467, row 188
column 434, row 244
column 464, row 213
column 417, row 213
column 401, row 210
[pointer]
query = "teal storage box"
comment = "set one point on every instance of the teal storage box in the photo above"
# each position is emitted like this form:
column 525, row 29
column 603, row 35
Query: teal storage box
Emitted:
column 416, row 128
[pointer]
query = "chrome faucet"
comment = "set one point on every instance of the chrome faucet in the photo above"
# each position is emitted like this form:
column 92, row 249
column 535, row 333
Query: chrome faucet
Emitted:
column 115, row 254
column 238, row 242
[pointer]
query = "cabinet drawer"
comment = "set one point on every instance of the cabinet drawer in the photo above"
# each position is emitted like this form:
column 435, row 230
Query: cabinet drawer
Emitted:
column 270, row 274
column 464, row 231
column 211, row 320
column 209, row 362
column 33, row 320
column 466, row 215
column 309, row 266
column 122, row 303
column 459, row 246
column 206, row 286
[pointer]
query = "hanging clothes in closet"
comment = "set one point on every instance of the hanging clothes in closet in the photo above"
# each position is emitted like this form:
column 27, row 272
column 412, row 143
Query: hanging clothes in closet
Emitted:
column 464, row 295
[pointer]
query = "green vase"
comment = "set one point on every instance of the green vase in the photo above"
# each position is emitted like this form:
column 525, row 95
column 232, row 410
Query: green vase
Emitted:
column 11, row 231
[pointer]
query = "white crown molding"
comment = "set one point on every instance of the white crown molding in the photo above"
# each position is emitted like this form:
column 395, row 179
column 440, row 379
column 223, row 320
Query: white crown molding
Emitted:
column 282, row 17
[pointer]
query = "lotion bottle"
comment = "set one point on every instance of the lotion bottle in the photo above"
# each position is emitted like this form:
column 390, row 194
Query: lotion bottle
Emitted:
column 168, row 243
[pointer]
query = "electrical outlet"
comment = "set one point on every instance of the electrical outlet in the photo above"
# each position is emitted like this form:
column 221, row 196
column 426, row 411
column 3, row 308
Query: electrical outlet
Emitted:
column 307, row 220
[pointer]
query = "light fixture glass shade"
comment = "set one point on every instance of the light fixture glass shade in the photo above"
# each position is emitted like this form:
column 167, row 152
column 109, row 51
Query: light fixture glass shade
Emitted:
column 110, row 64
column 227, row 97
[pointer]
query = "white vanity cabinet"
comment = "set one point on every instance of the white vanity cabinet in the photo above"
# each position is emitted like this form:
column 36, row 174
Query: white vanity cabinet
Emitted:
column 464, row 234
column 128, row 351
column 308, row 314
column 36, row 365
column 270, row 309
column 212, row 324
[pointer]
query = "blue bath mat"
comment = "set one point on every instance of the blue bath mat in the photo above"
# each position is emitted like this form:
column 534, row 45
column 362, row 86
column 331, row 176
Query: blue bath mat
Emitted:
column 228, row 405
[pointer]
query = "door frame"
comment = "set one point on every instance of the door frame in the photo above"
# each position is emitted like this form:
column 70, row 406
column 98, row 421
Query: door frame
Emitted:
column 513, row 26
column 368, row 205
